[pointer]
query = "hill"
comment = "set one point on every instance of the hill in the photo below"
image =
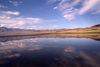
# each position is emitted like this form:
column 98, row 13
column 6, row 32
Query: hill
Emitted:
column 96, row 25
column 15, row 31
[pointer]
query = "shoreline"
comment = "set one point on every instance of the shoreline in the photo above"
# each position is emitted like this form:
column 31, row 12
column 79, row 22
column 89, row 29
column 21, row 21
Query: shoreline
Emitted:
column 52, row 33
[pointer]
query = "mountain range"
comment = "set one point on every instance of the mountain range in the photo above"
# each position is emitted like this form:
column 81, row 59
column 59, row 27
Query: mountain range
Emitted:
column 15, row 31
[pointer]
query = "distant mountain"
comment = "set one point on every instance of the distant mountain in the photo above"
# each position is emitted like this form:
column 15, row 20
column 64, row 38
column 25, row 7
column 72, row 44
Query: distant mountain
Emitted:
column 4, row 29
column 96, row 25
column 16, row 31
column 12, row 31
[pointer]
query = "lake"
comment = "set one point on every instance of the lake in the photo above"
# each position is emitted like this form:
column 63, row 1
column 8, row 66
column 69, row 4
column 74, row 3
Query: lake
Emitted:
column 50, row 51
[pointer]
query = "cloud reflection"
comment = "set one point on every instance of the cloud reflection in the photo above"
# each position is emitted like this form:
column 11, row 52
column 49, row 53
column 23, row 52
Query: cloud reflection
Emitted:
column 11, row 56
column 57, row 53
column 89, row 60
column 69, row 49
column 20, row 43
column 5, row 51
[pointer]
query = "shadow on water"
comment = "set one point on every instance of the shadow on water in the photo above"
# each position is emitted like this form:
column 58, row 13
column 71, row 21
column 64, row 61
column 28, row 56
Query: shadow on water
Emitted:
column 50, row 51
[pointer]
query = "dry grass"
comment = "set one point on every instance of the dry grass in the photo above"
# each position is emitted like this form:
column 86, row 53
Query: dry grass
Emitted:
column 89, row 32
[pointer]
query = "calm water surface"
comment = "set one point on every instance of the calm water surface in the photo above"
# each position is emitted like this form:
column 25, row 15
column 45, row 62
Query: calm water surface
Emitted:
column 49, row 52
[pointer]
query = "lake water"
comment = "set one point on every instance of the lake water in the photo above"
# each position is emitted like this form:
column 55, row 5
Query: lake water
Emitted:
column 49, row 51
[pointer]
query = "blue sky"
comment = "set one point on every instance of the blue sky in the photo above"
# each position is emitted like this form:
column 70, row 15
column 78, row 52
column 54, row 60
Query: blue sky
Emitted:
column 49, row 14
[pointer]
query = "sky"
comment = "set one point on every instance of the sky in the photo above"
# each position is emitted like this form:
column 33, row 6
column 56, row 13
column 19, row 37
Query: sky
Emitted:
column 49, row 14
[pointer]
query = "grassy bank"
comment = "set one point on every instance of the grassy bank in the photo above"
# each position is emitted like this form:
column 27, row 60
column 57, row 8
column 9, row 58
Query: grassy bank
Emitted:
column 96, row 32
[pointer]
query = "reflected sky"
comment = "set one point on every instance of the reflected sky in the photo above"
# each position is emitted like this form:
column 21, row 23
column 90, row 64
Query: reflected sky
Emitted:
column 49, row 51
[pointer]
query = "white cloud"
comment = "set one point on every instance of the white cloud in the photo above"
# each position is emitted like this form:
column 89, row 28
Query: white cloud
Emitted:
column 50, row 20
column 76, row 9
column 55, row 7
column 23, row 23
column 37, row 19
column 33, row 20
column 98, row 11
column 69, row 7
column 55, row 26
column 65, row 4
column 2, row 6
column 89, row 5
column 34, row 27
column 10, row 12
column 2, row 25
column 69, row 17
column 15, row 3
column 4, row 17
column 20, row 24
column 7, row 20
column 52, row 1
